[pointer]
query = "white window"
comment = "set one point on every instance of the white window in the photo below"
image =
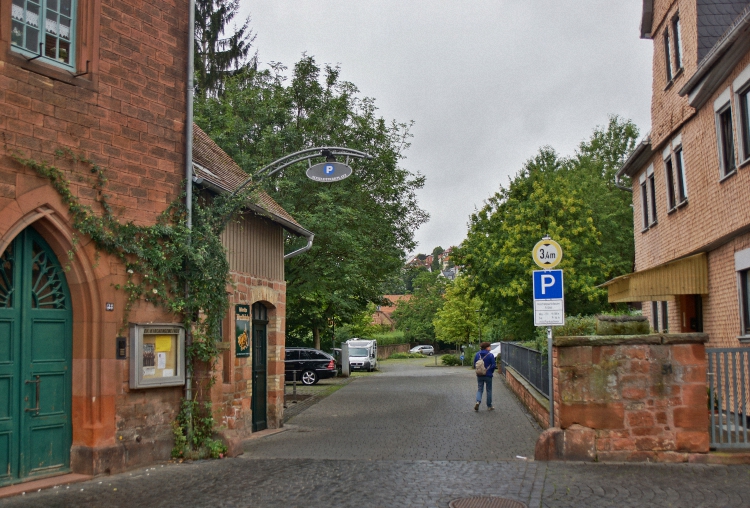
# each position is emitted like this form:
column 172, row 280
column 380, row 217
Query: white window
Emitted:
column 742, row 267
column 667, row 57
column 741, row 87
column 674, row 174
column 725, row 135
column 660, row 316
column 677, row 42
column 45, row 29
column 648, row 198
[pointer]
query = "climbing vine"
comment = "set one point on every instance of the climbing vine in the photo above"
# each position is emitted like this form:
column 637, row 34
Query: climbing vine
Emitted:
column 183, row 270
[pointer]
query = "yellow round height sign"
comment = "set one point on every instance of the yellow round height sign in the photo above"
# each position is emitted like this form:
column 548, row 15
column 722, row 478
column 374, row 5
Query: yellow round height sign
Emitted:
column 547, row 253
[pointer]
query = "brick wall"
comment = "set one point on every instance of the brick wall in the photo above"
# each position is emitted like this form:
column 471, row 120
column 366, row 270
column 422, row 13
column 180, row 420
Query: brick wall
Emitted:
column 635, row 398
column 534, row 401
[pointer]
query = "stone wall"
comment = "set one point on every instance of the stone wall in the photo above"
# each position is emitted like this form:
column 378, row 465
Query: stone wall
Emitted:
column 628, row 398
column 387, row 350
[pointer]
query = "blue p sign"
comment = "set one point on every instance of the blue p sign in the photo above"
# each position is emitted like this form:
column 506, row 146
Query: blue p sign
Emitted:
column 548, row 284
column 329, row 169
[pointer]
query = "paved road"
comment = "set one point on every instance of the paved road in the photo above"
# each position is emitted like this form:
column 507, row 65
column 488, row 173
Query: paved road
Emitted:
column 414, row 443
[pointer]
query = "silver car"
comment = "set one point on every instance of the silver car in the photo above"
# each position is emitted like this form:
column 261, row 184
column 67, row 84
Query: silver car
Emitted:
column 425, row 350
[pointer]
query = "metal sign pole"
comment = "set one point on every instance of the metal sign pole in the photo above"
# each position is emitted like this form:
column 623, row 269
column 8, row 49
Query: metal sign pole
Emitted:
column 551, row 381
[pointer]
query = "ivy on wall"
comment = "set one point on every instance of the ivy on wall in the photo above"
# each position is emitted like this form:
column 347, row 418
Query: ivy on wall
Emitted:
column 183, row 270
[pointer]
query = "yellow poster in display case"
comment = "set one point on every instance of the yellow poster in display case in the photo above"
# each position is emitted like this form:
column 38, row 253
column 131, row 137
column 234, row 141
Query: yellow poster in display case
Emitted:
column 157, row 355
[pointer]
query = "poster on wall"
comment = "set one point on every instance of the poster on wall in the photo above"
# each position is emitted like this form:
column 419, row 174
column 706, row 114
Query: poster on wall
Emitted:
column 242, row 330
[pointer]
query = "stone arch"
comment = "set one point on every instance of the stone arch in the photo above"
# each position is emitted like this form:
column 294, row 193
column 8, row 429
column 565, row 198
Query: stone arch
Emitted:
column 42, row 210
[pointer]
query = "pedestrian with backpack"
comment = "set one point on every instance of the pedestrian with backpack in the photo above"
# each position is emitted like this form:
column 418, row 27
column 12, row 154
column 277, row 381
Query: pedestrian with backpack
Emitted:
column 484, row 366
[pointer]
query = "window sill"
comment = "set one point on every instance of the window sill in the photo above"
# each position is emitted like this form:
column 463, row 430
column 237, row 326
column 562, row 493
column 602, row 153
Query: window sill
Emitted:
column 682, row 203
column 672, row 210
column 677, row 74
column 38, row 66
column 745, row 339
column 728, row 176
column 669, row 84
column 645, row 230
column 745, row 163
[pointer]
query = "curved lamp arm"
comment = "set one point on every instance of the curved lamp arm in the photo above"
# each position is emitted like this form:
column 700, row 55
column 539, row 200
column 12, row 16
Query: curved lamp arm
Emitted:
column 309, row 153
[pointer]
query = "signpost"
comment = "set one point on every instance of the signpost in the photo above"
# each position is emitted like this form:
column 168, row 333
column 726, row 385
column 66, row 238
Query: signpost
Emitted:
column 549, row 302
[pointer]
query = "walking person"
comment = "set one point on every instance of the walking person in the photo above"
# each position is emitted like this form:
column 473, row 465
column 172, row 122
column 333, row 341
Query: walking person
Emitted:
column 484, row 365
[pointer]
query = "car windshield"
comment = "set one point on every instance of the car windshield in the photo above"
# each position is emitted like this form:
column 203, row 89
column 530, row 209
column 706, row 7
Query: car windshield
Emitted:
column 358, row 351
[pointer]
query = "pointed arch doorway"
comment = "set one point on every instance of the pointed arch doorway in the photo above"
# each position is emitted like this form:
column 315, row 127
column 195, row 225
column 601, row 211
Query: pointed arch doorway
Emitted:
column 259, row 403
column 35, row 361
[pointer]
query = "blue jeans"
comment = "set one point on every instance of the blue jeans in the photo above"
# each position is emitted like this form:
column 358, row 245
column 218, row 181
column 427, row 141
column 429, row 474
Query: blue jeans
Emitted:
column 481, row 381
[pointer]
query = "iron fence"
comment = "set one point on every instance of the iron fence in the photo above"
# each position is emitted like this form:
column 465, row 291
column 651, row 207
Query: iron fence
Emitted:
column 529, row 363
column 729, row 396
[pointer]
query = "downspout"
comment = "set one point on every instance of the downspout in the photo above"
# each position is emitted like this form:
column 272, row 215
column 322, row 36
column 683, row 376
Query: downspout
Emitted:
column 619, row 185
column 306, row 248
column 189, row 170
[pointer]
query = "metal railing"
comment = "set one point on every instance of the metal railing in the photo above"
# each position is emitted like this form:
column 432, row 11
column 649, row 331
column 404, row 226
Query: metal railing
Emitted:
column 529, row 363
column 729, row 396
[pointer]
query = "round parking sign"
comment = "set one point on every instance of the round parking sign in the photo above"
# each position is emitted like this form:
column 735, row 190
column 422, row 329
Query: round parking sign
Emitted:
column 547, row 253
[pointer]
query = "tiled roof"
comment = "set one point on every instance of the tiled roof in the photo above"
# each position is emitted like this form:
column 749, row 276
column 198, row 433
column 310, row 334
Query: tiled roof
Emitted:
column 214, row 166
column 714, row 18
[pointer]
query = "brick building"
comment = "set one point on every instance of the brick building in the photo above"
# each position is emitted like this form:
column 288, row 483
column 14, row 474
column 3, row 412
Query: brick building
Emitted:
column 108, row 80
column 690, row 176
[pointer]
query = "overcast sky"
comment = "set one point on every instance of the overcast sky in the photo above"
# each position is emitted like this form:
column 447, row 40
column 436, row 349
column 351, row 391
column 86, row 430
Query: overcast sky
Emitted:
column 486, row 82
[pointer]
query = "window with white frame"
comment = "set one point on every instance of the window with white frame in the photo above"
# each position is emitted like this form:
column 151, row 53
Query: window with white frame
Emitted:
column 674, row 174
column 644, row 202
column 741, row 87
column 648, row 197
column 742, row 267
column 660, row 316
column 725, row 134
column 677, row 42
column 667, row 57
column 652, row 194
column 670, row 183
column 45, row 29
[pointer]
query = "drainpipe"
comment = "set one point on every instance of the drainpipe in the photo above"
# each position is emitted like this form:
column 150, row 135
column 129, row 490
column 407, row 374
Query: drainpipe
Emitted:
column 189, row 167
column 306, row 248
column 619, row 185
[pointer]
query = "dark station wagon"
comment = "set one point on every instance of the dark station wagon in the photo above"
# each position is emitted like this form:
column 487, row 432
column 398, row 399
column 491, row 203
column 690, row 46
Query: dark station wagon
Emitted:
column 308, row 365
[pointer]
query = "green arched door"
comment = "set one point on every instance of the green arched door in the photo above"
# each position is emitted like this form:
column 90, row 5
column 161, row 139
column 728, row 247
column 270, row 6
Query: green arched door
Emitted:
column 35, row 361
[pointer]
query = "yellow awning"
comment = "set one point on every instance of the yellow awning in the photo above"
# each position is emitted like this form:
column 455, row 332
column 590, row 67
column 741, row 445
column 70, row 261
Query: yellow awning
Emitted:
column 687, row 276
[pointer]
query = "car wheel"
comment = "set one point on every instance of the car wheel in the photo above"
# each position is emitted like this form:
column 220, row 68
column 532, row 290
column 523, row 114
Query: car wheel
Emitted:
column 309, row 378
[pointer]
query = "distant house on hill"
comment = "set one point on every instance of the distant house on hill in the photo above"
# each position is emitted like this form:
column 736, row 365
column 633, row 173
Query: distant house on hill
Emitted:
column 383, row 313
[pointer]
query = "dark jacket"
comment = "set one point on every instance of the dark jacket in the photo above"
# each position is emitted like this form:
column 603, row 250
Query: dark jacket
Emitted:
column 489, row 361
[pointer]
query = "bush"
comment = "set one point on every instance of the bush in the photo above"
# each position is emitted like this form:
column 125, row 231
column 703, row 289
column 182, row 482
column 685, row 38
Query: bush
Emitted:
column 387, row 338
column 450, row 360
column 403, row 356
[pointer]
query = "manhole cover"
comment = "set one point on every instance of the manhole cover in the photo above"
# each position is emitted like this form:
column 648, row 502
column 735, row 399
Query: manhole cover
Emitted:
column 486, row 502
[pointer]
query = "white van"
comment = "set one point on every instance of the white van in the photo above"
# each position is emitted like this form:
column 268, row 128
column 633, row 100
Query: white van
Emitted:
column 363, row 354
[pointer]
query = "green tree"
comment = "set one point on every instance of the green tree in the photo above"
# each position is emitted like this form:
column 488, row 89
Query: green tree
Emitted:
column 219, row 54
column 572, row 200
column 457, row 322
column 415, row 316
column 364, row 224
column 436, row 266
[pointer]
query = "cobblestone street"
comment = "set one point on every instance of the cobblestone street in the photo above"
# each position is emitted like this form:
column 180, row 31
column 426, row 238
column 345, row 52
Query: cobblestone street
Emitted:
column 407, row 436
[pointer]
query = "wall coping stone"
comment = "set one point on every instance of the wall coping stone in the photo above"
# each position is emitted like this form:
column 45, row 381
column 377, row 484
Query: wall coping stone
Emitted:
column 630, row 340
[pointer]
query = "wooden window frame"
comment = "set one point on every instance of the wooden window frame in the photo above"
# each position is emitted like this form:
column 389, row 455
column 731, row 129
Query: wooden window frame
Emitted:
column 85, row 68
column 677, row 35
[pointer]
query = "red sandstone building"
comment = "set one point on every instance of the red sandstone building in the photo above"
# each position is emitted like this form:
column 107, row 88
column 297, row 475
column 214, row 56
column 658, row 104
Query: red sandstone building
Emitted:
column 691, row 176
column 108, row 81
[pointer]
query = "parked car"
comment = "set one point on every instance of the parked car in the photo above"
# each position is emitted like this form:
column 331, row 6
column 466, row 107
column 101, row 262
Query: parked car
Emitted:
column 310, row 365
column 425, row 350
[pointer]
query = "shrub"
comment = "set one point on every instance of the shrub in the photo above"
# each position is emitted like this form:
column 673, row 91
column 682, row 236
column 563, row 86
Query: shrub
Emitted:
column 450, row 360
column 403, row 356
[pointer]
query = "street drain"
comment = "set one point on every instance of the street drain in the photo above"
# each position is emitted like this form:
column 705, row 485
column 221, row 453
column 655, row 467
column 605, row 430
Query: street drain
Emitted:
column 486, row 502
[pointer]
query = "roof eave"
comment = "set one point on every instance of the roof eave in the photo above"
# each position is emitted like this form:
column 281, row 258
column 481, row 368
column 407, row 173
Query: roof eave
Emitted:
column 289, row 226
column 647, row 19
column 637, row 159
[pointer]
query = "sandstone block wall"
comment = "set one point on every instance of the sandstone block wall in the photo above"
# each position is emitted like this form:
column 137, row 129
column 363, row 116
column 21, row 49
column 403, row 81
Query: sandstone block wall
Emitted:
column 639, row 398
